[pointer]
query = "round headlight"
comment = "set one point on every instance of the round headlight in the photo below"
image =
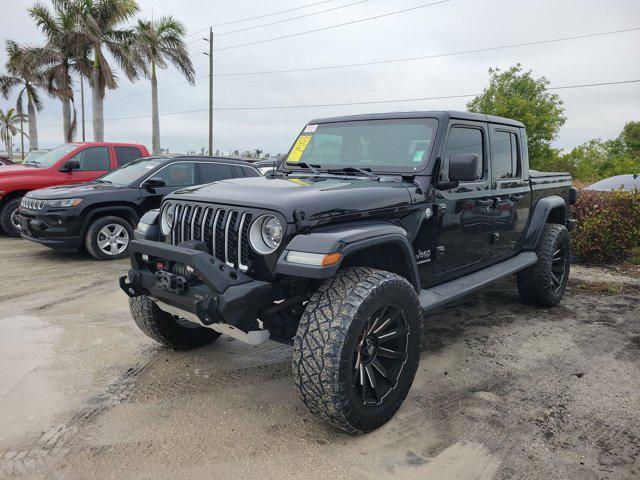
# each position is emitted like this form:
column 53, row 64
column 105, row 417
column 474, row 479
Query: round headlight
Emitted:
column 166, row 220
column 266, row 234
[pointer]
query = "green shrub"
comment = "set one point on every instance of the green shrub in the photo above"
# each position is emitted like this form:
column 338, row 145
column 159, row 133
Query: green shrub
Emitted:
column 608, row 225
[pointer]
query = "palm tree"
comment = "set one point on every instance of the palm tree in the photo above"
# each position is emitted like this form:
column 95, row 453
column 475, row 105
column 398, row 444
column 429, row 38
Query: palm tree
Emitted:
column 159, row 42
column 258, row 152
column 27, row 79
column 63, row 53
column 9, row 128
column 98, row 26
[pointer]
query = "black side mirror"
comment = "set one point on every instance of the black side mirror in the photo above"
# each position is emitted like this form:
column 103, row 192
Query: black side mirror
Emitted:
column 154, row 182
column 70, row 165
column 463, row 167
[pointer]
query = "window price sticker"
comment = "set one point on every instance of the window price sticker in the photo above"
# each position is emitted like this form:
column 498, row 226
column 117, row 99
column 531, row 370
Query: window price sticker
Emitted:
column 299, row 148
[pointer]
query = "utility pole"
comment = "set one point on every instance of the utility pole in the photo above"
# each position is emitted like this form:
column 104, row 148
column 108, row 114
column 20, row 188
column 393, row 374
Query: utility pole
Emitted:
column 82, row 103
column 210, row 91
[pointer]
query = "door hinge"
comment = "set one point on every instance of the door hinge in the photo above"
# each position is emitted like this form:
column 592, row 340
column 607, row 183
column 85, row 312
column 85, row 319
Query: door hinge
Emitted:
column 439, row 251
column 302, row 222
column 495, row 236
column 441, row 208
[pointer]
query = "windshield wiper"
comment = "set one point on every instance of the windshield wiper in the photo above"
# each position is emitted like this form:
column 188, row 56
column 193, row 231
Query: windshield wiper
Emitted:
column 98, row 180
column 364, row 171
column 311, row 166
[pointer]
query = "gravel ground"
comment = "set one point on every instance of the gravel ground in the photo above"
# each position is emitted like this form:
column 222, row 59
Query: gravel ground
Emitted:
column 504, row 390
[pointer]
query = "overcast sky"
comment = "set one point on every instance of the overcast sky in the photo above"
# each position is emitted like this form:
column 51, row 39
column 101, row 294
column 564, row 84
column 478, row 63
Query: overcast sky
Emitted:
column 448, row 27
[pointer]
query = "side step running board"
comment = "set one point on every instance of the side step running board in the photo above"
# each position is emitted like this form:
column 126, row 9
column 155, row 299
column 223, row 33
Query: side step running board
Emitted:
column 436, row 297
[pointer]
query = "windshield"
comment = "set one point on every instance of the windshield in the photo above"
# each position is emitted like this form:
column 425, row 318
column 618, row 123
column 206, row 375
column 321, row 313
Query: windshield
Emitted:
column 49, row 158
column 131, row 172
column 379, row 145
column 34, row 155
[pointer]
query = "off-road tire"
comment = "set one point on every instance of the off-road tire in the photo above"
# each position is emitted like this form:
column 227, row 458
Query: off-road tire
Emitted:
column 164, row 328
column 535, row 283
column 91, row 237
column 5, row 217
column 327, row 335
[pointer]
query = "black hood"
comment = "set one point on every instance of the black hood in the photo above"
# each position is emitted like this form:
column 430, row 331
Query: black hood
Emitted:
column 318, row 197
column 75, row 191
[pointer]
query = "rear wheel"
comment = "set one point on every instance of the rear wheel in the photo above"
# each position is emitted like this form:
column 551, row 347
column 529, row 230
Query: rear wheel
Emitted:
column 545, row 282
column 168, row 329
column 9, row 218
column 108, row 238
column 357, row 348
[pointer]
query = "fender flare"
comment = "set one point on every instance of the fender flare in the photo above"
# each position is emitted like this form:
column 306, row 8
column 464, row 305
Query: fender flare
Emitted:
column 541, row 212
column 347, row 238
column 133, row 215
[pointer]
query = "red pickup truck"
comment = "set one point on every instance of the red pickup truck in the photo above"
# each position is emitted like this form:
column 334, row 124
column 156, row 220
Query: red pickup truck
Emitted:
column 69, row 163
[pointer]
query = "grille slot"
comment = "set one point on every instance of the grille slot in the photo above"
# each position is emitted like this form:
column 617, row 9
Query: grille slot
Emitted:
column 225, row 231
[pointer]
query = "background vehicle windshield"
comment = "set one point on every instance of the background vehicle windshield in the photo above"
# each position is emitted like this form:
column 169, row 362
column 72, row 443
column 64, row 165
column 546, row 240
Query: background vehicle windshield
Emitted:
column 49, row 158
column 132, row 172
column 381, row 145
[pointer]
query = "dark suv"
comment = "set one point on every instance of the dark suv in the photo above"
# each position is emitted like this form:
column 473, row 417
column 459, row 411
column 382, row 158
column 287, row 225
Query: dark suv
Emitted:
column 102, row 214
column 373, row 221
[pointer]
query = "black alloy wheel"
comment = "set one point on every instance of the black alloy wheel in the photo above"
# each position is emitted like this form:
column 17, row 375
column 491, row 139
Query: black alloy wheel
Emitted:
column 380, row 354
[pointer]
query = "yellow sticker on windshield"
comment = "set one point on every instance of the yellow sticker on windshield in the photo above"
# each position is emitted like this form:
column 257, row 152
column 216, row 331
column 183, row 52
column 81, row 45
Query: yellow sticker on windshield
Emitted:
column 299, row 148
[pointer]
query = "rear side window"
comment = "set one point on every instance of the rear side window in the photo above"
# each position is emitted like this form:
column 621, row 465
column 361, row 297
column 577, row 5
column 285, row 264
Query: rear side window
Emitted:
column 212, row 172
column 125, row 155
column 93, row 159
column 464, row 140
column 505, row 161
column 180, row 174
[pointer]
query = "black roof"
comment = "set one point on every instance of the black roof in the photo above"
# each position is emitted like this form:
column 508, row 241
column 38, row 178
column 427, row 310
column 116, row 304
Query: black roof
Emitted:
column 206, row 158
column 443, row 115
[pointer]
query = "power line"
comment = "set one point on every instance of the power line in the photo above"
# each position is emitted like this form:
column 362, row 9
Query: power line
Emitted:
column 426, row 57
column 375, row 17
column 292, row 18
column 398, row 60
column 259, row 16
column 367, row 102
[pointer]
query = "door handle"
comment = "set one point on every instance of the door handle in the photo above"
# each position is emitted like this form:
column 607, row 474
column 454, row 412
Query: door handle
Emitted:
column 516, row 197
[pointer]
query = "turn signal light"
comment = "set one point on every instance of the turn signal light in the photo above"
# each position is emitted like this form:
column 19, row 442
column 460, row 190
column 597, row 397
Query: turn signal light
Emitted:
column 314, row 259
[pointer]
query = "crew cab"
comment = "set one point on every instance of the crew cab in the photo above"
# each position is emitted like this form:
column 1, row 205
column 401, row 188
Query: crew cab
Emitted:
column 102, row 214
column 69, row 163
column 373, row 222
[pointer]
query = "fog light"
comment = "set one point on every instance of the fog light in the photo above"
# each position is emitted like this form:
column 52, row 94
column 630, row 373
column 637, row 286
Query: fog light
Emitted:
column 314, row 259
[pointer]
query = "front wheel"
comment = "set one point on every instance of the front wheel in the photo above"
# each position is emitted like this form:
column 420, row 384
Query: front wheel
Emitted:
column 108, row 238
column 168, row 329
column 9, row 217
column 544, row 282
column 357, row 348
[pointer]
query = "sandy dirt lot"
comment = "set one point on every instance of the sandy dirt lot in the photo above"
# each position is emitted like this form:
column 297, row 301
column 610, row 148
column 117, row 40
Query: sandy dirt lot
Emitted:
column 504, row 390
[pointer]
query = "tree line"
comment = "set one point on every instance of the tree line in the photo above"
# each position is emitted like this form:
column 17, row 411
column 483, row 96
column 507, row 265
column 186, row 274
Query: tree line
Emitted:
column 88, row 39
column 515, row 93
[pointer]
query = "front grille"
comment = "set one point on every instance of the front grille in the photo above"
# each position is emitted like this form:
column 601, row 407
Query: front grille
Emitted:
column 224, row 230
column 32, row 203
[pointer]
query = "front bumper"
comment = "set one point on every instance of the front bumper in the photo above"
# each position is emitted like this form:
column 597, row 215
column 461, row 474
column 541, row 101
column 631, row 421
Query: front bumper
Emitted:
column 48, row 233
column 221, row 295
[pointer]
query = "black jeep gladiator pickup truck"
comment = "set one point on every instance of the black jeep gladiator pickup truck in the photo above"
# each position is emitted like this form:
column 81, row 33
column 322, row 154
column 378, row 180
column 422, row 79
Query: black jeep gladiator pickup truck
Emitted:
column 372, row 222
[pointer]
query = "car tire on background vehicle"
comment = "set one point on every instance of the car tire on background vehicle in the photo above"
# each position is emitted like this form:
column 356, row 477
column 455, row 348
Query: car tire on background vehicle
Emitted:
column 544, row 283
column 357, row 348
column 108, row 238
column 8, row 217
column 166, row 328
